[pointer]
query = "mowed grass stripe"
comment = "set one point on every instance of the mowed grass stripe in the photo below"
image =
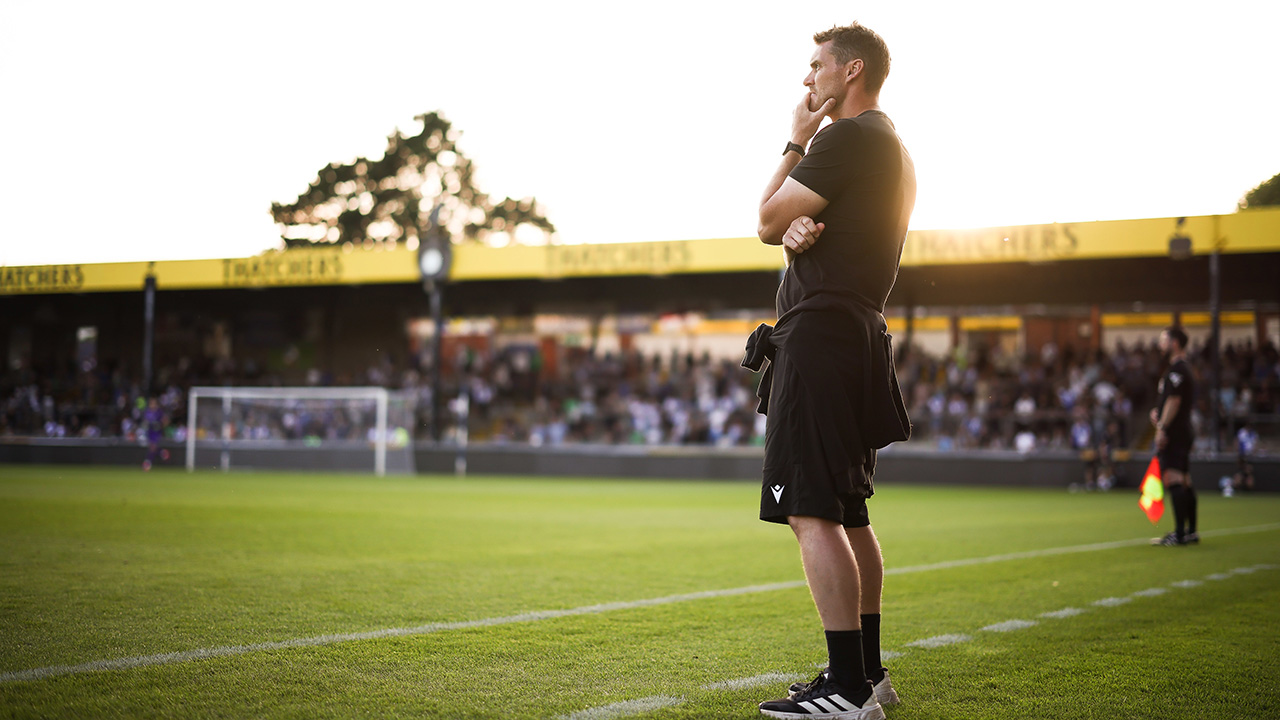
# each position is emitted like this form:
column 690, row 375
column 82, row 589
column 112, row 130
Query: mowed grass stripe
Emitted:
column 535, row 616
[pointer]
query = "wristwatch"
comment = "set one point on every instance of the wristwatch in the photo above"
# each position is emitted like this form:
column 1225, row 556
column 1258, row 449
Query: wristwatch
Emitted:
column 794, row 146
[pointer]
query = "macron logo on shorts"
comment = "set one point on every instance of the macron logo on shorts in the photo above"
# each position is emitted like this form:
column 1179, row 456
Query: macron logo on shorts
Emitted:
column 777, row 493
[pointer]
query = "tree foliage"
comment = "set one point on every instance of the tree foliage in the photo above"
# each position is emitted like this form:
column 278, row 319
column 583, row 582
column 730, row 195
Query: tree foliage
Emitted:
column 389, row 199
column 1267, row 193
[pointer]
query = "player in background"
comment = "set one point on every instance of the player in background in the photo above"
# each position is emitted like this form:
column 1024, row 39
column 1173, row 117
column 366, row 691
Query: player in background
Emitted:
column 153, row 419
column 1175, row 436
column 1246, row 445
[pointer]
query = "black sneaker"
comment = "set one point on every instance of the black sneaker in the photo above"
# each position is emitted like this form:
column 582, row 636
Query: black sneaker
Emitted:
column 799, row 687
column 884, row 687
column 1169, row 540
column 825, row 698
column 1191, row 537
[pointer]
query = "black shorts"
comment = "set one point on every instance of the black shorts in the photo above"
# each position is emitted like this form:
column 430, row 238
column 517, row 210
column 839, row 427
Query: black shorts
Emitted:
column 815, row 462
column 851, row 512
column 1175, row 456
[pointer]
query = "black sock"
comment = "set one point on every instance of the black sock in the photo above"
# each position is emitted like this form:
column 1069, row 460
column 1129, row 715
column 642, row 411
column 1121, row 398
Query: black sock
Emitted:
column 1178, row 499
column 844, row 651
column 871, row 646
column 1192, row 503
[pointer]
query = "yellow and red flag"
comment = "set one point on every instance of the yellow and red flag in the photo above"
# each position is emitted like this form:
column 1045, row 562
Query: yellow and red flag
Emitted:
column 1152, row 500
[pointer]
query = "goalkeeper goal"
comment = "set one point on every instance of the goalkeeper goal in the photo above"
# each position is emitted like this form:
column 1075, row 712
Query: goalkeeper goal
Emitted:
column 301, row 428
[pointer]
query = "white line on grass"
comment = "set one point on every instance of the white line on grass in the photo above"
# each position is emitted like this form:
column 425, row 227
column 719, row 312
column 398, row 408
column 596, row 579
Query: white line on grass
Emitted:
column 1187, row 584
column 939, row 641
column 623, row 709
column 643, row 705
column 1010, row 625
column 228, row 650
column 1063, row 613
column 753, row 681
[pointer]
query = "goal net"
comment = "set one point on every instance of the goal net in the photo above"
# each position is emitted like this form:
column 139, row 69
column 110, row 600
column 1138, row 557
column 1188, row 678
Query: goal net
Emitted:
column 301, row 428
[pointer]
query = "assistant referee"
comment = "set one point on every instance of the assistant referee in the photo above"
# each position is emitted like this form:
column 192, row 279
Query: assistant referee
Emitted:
column 1175, row 436
column 840, row 208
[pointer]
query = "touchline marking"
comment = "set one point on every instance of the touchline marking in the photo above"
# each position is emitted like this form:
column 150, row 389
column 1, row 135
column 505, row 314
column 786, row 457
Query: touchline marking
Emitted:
column 643, row 705
column 939, row 641
column 319, row 640
column 1151, row 592
column 753, row 681
column 623, row 709
column 1047, row 552
column 1063, row 613
column 1010, row 625
column 206, row 653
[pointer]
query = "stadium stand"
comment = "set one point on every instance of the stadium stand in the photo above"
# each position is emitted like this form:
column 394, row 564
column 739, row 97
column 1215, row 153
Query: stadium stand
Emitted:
column 1032, row 338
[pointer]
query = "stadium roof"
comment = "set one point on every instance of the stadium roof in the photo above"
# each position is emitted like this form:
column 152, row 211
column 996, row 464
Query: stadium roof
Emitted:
column 1252, row 231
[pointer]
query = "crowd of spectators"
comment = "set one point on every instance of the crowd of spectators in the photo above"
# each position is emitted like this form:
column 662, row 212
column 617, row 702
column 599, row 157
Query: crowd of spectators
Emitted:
column 1058, row 398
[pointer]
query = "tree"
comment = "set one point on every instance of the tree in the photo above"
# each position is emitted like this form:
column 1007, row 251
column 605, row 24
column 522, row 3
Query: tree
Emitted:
column 389, row 199
column 1267, row 193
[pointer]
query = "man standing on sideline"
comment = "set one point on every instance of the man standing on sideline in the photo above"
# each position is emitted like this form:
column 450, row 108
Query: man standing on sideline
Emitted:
column 1174, row 437
column 840, row 210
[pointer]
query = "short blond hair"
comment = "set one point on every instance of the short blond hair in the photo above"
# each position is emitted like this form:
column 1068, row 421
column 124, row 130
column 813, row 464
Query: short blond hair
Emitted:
column 858, row 42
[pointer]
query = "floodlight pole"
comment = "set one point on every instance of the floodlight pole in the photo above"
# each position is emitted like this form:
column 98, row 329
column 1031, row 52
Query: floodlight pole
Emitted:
column 434, row 291
column 434, row 256
column 1215, row 339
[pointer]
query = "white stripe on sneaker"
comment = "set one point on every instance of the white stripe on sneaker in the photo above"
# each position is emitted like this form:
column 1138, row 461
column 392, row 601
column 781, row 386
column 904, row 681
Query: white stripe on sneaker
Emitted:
column 841, row 703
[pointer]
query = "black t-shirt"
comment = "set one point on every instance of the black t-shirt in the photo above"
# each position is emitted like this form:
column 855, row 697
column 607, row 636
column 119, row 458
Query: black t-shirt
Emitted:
column 869, row 181
column 1177, row 382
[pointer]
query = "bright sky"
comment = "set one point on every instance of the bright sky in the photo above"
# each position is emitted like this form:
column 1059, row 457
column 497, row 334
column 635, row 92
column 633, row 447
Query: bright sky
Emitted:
column 147, row 130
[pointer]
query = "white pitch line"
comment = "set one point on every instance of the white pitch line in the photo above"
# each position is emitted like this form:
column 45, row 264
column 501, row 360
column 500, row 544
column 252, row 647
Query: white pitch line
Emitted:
column 1063, row 613
column 753, row 681
column 319, row 640
column 626, row 708
column 1010, row 625
column 206, row 653
column 642, row 705
column 939, row 641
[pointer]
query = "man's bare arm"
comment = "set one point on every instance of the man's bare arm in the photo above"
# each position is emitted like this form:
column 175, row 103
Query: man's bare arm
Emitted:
column 784, row 199
column 1169, row 412
column 1167, row 415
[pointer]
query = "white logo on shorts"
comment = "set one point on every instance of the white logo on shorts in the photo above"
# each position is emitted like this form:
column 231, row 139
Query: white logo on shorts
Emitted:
column 777, row 493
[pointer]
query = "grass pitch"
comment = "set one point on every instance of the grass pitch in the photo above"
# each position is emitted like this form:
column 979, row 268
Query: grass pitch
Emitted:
column 138, row 571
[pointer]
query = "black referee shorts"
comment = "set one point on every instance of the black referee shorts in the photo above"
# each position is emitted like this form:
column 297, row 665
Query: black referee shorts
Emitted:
column 1175, row 456
column 815, row 462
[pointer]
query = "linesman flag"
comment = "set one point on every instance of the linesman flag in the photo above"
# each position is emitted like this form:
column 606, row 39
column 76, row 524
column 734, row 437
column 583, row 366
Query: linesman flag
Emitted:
column 1152, row 500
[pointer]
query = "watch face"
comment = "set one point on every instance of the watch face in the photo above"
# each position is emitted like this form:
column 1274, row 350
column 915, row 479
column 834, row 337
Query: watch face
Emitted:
column 431, row 261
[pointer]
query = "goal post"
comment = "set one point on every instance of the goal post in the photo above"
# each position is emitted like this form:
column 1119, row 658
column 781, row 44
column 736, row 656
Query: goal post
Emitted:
column 335, row 428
